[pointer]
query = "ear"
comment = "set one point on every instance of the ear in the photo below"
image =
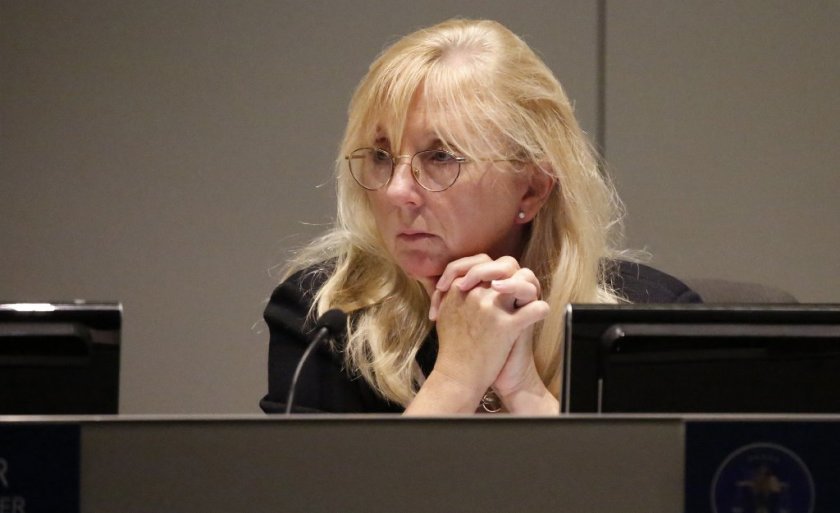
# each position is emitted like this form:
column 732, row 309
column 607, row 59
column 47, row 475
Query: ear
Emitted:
column 540, row 184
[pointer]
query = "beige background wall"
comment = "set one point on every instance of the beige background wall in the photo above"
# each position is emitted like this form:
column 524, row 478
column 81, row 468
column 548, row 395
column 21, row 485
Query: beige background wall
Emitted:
column 169, row 154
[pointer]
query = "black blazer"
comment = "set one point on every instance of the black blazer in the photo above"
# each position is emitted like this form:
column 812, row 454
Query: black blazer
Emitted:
column 325, row 386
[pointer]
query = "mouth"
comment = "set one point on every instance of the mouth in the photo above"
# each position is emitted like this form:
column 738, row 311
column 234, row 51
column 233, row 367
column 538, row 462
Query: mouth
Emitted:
column 411, row 236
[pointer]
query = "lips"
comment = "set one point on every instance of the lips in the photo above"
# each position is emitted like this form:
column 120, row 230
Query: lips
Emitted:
column 414, row 236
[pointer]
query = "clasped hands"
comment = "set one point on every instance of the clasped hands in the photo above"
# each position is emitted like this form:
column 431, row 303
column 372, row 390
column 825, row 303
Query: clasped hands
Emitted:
column 485, row 311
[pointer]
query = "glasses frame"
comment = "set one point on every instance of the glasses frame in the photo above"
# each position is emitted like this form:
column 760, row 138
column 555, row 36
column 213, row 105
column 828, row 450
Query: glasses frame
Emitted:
column 415, row 173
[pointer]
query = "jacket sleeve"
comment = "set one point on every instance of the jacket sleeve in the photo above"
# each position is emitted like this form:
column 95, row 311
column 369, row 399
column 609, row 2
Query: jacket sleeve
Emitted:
column 323, row 385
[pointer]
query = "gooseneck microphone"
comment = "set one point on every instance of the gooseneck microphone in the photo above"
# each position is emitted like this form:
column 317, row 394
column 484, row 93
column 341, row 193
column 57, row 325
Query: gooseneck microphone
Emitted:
column 328, row 326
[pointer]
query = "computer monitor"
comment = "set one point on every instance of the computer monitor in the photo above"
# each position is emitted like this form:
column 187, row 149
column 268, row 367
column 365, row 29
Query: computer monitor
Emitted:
column 59, row 358
column 702, row 359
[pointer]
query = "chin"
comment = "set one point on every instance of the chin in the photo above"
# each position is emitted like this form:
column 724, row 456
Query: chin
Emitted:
column 421, row 267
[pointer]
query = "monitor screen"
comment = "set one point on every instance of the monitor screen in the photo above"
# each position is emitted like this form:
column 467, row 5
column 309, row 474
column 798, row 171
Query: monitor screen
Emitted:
column 59, row 358
column 702, row 359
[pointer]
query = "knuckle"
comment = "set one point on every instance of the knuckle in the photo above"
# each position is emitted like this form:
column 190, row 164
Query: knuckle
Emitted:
column 533, row 290
column 457, row 281
column 509, row 262
column 487, row 303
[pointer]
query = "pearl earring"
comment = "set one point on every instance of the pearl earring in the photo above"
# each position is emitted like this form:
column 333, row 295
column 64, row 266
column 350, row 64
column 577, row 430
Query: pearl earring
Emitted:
column 521, row 215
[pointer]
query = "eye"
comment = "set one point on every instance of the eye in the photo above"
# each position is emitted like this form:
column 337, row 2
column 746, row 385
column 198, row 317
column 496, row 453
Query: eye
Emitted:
column 381, row 156
column 441, row 157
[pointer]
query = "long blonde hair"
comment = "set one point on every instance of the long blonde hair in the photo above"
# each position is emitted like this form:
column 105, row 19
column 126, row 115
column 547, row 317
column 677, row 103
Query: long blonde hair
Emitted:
column 493, row 88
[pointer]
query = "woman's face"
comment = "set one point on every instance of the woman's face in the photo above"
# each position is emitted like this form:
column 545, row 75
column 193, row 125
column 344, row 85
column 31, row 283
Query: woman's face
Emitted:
column 424, row 231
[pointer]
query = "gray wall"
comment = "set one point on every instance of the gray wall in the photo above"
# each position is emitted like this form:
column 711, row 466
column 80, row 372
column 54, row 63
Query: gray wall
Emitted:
column 169, row 155
column 723, row 133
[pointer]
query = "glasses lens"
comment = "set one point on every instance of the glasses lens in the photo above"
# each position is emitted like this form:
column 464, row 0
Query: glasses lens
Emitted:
column 436, row 170
column 370, row 167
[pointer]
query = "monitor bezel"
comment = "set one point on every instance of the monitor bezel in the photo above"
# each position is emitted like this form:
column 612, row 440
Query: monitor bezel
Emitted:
column 582, row 373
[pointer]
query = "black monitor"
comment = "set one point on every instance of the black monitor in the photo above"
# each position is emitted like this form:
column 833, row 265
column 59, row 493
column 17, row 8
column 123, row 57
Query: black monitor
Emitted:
column 59, row 358
column 702, row 359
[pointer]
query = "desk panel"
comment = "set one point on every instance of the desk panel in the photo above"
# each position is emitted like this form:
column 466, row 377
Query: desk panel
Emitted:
column 382, row 464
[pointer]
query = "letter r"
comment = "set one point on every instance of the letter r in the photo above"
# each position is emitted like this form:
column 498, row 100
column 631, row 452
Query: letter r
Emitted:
column 4, row 467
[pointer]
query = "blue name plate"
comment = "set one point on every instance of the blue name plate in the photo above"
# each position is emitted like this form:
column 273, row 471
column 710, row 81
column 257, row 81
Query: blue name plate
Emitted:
column 39, row 468
column 762, row 467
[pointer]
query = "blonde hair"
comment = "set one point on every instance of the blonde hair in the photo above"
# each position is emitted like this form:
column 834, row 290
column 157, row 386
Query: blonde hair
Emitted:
column 498, row 94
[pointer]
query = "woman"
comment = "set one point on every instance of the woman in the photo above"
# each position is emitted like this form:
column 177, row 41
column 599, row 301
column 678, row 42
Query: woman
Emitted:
column 471, row 211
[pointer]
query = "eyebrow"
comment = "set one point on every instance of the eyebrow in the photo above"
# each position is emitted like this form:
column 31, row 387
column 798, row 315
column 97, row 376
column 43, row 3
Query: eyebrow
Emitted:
column 382, row 142
column 436, row 143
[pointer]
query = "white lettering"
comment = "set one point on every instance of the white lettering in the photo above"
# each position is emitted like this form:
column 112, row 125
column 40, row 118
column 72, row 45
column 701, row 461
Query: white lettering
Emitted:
column 4, row 467
column 12, row 504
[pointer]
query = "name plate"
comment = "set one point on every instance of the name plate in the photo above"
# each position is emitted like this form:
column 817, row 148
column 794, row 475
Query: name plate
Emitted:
column 762, row 467
column 39, row 468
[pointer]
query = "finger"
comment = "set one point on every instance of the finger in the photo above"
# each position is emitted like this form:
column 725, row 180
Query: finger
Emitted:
column 458, row 268
column 436, row 298
column 516, row 286
column 529, row 314
column 502, row 268
column 522, row 286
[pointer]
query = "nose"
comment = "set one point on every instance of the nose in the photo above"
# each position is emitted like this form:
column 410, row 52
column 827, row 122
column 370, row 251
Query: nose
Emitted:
column 403, row 189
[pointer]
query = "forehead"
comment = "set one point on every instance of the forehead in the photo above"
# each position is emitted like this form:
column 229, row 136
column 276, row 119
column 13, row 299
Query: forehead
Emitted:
column 427, row 119
column 417, row 121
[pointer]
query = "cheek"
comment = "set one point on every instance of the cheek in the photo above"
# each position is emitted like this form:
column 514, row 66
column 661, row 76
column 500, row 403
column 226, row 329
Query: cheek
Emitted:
column 485, row 225
column 378, row 207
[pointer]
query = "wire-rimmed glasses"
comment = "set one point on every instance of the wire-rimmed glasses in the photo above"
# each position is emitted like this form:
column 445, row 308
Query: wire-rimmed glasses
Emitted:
column 433, row 170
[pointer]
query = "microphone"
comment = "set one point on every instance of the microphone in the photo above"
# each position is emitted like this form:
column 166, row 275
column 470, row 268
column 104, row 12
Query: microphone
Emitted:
column 328, row 326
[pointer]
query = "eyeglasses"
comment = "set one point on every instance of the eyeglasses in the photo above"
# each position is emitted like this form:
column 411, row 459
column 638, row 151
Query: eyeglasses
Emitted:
column 433, row 170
